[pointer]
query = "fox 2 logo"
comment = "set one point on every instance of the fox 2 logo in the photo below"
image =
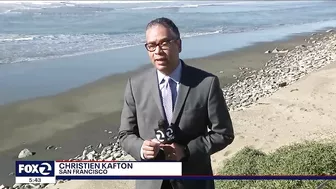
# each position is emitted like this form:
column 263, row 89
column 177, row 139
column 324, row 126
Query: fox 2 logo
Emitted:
column 35, row 168
column 165, row 135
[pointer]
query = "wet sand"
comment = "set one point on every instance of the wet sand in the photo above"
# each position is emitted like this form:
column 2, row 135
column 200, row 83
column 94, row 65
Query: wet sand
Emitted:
column 79, row 117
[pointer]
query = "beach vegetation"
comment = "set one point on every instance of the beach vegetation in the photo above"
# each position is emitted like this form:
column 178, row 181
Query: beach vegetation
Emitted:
column 308, row 158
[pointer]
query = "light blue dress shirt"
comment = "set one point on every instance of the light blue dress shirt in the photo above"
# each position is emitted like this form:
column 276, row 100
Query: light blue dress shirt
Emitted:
column 176, row 76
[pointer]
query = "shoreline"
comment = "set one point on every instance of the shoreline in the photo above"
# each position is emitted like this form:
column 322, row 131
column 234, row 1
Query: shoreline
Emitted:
column 30, row 80
column 68, row 109
column 197, row 61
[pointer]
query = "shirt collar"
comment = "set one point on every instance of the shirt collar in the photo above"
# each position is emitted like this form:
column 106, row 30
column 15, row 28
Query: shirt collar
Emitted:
column 175, row 75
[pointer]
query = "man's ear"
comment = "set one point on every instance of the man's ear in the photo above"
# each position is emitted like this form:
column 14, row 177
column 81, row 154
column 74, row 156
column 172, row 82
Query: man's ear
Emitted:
column 180, row 45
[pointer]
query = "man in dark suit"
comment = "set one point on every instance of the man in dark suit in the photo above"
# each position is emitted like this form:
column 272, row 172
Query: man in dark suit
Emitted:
column 187, row 98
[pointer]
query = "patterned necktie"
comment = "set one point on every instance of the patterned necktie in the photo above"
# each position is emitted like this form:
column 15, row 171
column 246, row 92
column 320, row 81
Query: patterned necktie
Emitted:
column 168, row 98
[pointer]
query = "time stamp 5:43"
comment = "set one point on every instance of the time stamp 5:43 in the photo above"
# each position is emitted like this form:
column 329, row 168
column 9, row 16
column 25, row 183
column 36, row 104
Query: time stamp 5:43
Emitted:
column 35, row 180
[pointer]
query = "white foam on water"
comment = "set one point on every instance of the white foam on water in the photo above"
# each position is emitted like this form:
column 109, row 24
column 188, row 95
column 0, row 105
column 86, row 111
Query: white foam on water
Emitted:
column 37, row 47
column 82, row 2
column 16, row 39
column 8, row 6
column 195, row 34
column 165, row 7
column 191, row 4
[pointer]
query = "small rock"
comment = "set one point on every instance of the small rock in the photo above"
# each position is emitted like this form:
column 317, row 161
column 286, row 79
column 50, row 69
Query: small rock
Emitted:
column 25, row 153
column 50, row 147
column 117, row 155
column 283, row 51
column 110, row 132
column 126, row 158
column 110, row 158
column 100, row 145
column 2, row 186
column 60, row 181
column 275, row 50
column 283, row 84
column 43, row 185
column 17, row 185
column 104, row 157
column 294, row 90
column 268, row 51
column 109, row 152
column 84, row 154
column 90, row 156
column 304, row 109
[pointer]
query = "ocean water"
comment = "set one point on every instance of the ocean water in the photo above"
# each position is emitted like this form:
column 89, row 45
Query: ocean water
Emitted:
column 42, row 30
column 50, row 47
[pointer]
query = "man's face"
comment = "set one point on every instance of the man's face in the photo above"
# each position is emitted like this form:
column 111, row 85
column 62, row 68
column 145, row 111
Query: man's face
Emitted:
column 164, row 48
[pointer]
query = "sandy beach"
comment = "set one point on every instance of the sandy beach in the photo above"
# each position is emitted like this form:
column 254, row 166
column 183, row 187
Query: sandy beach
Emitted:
column 89, row 115
column 287, row 117
column 302, row 111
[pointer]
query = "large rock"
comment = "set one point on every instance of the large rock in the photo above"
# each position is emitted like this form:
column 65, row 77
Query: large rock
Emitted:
column 25, row 153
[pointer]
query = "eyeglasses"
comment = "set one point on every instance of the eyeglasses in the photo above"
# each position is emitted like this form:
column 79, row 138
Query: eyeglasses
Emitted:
column 164, row 45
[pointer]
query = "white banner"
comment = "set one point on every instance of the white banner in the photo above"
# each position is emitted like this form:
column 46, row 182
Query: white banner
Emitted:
column 87, row 168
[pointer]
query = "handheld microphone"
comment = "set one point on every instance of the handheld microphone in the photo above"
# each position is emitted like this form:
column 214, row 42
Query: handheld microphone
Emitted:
column 165, row 134
column 162, row 124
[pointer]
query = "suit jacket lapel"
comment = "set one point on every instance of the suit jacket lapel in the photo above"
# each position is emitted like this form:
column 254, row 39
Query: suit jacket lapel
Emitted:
column 154, row 85
column 182, row 93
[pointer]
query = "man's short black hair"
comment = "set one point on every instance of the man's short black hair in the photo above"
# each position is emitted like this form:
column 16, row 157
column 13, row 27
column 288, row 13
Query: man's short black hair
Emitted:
column 166, row 22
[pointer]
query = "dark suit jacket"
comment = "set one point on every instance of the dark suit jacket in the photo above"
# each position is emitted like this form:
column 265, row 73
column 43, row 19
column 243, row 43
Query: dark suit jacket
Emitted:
column 200, row 106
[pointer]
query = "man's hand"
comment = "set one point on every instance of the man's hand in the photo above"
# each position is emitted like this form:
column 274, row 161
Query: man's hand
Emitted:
column 150, row 148
column 174, row 151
